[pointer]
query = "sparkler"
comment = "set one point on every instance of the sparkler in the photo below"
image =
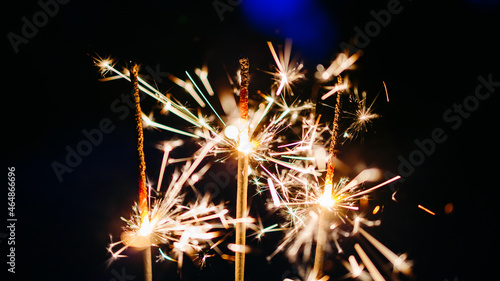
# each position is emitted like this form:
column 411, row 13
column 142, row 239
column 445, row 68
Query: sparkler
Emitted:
column 226, row 138
column 169, row 221
column 256, row 147
column 327, row 201
column 294, row 187
column 185, row 228
column 320, row 214
column 143, row 190
column 304, row 211
column 242, row 180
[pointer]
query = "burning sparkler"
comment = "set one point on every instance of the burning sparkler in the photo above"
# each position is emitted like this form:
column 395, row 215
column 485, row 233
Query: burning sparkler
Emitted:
column 244, row 148
column 169, row 221
column 185, row 228
column 225, row 132
column 143, row 190
column 291, row 170
column 318, row 212
column 327, row 200
column 246, row 140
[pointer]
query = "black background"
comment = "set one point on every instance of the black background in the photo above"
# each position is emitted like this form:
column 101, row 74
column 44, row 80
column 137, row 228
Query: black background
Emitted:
column 430, row 56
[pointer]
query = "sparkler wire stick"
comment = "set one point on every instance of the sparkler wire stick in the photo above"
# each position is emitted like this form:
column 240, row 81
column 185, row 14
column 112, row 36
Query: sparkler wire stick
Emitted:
column 333, row 143
column 242, row 182
column 143, row 189
column 325, row 212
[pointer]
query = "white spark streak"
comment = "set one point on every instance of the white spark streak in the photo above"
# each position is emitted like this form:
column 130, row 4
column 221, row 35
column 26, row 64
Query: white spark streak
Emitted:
column 399, row 263
column 375, row 274
column 335, row 89
column 274, row 194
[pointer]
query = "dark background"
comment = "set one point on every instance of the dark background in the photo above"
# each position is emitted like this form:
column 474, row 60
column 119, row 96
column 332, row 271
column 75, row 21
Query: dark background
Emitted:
column 429, row 55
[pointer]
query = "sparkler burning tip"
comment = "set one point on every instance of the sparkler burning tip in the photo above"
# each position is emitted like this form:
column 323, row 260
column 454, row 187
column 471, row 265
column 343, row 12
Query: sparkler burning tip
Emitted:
column 327, row 200
column 242, row 179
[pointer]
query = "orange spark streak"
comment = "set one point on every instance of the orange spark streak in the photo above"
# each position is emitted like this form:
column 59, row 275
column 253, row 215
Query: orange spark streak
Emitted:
column 427, row 210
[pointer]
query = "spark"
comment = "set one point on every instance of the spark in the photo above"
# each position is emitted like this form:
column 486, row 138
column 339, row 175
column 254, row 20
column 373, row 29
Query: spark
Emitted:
column 177, row 109
column 375, row 187
column 152, row 123
column 255, row 143
column 260, row 230
column 334, row 89
column 362, row 117
column 195, row 164
column 295, row 185
column 341, row 63
column 203, row 74
column 274, row 194
column 356, row 270
column 427, row 210
column 166, row 256
column 398, row 261
column 285, row 112
column 303, row 212
column 308, row 170
column 238, row 248
column 263, row 113
column 375, row 274
column 170, row 221
column 386, row 92
column 166, row 151
column 201, row 93
column 185, row 227
column 288, row 72
column 188, row 87
column 298, row 157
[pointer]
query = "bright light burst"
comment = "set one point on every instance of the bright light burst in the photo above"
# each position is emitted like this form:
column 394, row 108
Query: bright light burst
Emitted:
column 361, row 118
column 186, row 228
column 288, row 72
column 286, row 144
column 301, row 202
column 272, row 115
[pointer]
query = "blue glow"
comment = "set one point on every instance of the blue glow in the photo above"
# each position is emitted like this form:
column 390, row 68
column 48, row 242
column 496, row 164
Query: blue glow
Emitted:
column 275, row 11
column 483, row 6
column 311, row 30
